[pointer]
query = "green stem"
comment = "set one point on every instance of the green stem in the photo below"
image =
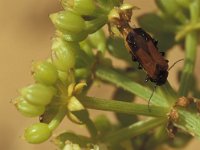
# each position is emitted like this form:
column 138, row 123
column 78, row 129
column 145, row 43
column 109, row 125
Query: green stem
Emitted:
column 180, row 16
column 91, row 128
column 194, row 24
column 95, row 24
column 191, row 44
column 134, row 130
column 186, row 29
column 191, row 47
column 123, row 107
column 121, row 80
column 195, row 11
column 58, row 118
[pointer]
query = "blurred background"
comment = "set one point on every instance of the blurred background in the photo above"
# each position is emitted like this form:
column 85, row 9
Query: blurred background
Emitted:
column 25, row 35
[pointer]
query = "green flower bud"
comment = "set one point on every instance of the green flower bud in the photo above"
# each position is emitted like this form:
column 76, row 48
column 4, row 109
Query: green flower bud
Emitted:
column 37, row 133
column 27, row 109
column 63, row 55
column 82, row 7
column 74, row 105
column 38, row 94
column 75, row 37
column 69, row 22
column 45, row 72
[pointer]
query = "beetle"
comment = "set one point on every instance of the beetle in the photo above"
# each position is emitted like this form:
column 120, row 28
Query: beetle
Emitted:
column 143, row 49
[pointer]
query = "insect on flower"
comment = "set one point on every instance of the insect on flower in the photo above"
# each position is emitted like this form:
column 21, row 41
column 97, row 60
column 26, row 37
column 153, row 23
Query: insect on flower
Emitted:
column 143, row 49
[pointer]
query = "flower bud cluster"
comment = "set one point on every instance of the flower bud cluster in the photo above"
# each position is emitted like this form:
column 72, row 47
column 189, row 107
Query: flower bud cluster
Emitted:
column 34, row 99
column 54, row 88
column 81, row 18
column 58, row 79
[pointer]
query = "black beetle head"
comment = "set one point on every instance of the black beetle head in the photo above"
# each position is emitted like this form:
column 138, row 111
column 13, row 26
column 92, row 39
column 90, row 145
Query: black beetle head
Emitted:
column 162, row 77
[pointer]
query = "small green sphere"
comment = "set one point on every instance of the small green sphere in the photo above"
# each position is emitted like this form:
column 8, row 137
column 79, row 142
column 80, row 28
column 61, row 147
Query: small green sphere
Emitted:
column 81, row 7
column 37, row 133
column 84, row 7
column 67, row 21
column 38, row 94
column 27, row 109
column 45, row 72
column 63, row 55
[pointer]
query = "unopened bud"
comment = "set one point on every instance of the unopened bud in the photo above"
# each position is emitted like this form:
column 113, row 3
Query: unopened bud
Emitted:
column 37, row 133
column 27, row 109
column 68, row 22
column 45, row 72
column 38, row 94
column 82, row 7
column 63, row 55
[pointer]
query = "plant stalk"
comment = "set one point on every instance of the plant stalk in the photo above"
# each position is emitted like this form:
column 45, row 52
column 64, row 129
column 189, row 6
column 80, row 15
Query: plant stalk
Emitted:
column 123, row 107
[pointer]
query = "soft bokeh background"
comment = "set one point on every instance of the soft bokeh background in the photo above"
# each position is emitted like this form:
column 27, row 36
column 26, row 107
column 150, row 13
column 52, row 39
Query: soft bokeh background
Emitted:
column 25, row 35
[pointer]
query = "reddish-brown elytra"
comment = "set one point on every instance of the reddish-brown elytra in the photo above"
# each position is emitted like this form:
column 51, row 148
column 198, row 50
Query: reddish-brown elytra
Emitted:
column 143, row 49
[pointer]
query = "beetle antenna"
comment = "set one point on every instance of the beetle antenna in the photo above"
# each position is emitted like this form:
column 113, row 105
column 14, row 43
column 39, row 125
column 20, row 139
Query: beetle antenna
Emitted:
column 154, row 88
column 175, row 63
